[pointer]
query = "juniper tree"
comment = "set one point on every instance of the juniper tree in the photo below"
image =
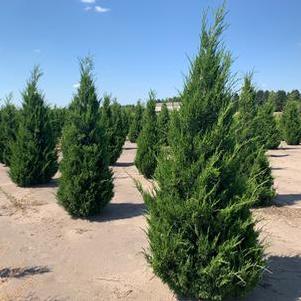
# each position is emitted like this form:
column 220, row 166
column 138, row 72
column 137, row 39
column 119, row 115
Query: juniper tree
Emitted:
column 113, row 122
column 291, row 123
column 8, row 129
column 136, row 123
column 254, row 163
column 266, row 128
column 58, row 117
column 163, row 125
column 146, row 157
column 33, row 155
column 200, row 229
column 86, row 184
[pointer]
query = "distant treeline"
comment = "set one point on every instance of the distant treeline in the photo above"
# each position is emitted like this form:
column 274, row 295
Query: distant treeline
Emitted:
column 279, row 98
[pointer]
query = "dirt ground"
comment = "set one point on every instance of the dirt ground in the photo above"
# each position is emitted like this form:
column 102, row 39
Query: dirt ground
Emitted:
column 46, row 255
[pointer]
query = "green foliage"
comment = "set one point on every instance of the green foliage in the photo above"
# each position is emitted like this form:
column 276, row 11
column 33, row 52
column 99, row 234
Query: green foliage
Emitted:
column 163, row 125
column 58, row 117
column 266, row 128
column 279, row 99
column 146, row 158
column 86, row 184
column 136, row 123
column 201, row 233
column 291, row 123
column 254, row 163
column 114, row 122
column 33, row 153
column 8, row 129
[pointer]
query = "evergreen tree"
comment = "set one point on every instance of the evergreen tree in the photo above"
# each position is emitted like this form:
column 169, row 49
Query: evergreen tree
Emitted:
column 291, row 123
column 114, row 124
column 163, row 125
column 33, row 157
column 146, row 158
column 266, row 128
column 86, row 184
column 8, row 129
column 58, row 117
column 254, row 163
column 201, row 233
column 136, row 123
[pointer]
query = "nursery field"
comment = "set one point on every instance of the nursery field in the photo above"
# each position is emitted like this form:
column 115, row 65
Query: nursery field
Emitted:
column 47, row 255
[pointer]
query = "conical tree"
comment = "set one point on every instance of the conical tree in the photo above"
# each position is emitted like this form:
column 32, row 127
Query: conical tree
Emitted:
column 33, row 155
column 136, row 123
column 163, row 125
column 146, row 157
column 112, row 120
column 201, row 233
column 86, row 184
column 291, row 123
column 8, row 129
column 266, row 128
column 254, row 163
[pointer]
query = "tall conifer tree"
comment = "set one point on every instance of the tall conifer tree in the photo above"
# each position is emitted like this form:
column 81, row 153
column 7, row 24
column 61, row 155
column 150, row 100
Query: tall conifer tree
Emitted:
column 201, row 233
column 8, row 129
column 136, row 123
column 33, row 155
column 112, row 121
column 266, row 127
column 86, row 184
column 254, row 163
column 163, row 125
column 291, row 123
column 148, row 146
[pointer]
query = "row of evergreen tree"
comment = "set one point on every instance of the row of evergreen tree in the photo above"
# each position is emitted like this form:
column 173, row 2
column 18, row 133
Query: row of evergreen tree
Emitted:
column 151, row 130
column 91, row 138
column 208, row 160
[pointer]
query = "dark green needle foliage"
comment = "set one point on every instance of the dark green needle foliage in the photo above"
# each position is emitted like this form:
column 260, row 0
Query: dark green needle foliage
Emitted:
column 33, row 154
column 254, row 163
column 201, row 233
column 163, row 125
column 8, row 129
column 136, row 123
column 115, row 125
column 266, row 127
column 291, row 123
column 147, row 153
column 58, row 117
column 86, row 184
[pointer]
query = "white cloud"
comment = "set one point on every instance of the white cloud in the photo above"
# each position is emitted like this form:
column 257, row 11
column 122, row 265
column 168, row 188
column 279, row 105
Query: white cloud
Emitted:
column 76, row 86
column 88, row 1
column 88, row 8
column 100, row 9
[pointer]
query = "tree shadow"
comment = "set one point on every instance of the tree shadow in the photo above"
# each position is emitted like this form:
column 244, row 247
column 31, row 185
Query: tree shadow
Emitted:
column 23, row 272
column 123, row 164
column 287, row 199
column 119, row 211
column 278, row 156
column 277, row 168
column 281, row 282
column 53, row 183
column 288, row 148
column 130, row 148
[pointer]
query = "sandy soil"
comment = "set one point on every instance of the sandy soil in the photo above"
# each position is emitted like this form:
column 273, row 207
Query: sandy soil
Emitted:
column 46, row 255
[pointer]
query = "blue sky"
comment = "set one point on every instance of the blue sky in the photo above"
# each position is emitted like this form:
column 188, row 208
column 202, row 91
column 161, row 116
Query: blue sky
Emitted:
column 140, row 45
